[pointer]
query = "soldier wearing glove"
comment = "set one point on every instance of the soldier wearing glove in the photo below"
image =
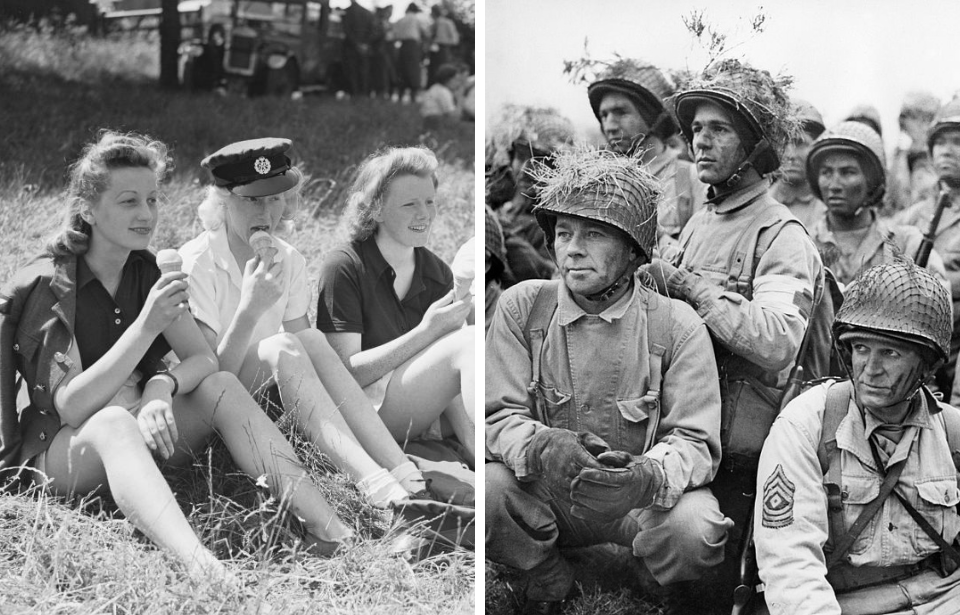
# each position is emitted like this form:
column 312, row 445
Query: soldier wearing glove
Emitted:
column 609, row 493
column 590, row 363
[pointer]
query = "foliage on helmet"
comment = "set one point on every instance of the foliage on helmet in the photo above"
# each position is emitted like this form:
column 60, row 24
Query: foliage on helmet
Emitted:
column 854, row 138
column 755, row 95
column 541, row 128
column 603, row 186
column 901, row 300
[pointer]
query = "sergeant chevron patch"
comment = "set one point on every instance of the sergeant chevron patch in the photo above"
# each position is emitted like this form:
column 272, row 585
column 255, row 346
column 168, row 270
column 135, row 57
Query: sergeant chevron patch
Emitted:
column 778, row 500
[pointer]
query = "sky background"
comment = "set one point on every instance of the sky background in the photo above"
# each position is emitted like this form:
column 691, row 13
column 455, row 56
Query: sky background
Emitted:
column 840, row 52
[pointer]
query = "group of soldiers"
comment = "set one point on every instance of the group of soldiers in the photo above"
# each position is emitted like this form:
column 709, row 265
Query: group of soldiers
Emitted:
column 651, row 312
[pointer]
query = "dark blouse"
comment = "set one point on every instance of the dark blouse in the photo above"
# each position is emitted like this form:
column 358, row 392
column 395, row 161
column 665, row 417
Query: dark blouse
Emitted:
column 102, row 319
column 357, row 295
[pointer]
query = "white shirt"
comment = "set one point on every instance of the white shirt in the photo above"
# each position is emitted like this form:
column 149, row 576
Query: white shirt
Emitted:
column 215, row 281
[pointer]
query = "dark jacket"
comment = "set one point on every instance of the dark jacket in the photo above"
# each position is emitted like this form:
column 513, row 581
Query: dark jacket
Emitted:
column 37, row 312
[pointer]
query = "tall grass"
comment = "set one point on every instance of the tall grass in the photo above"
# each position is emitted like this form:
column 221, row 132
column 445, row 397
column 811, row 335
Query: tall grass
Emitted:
column 57, row 90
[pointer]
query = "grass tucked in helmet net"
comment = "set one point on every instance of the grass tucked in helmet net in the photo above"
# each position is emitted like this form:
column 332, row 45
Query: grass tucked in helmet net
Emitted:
column 759, row 92
column 602, row 173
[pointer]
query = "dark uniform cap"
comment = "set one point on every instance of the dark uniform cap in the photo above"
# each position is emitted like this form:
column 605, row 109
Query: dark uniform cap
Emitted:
column 900, row 300
column 859, row 140
column 253, row 168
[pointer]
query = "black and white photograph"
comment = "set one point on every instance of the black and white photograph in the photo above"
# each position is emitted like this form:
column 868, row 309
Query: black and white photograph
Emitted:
column 237, row 340
column 722, row 247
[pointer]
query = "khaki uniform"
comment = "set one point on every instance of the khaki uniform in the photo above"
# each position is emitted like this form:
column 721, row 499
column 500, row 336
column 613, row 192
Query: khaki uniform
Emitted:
column 593, row 373
column 792, row 526
column 683, row 193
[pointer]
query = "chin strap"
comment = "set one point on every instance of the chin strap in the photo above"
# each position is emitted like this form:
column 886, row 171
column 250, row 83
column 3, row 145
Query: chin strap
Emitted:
column 734, row 180
column 624, row 278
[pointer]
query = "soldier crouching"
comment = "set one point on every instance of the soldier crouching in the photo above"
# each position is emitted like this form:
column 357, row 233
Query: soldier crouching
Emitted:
column 857, row 479
column 594, row 362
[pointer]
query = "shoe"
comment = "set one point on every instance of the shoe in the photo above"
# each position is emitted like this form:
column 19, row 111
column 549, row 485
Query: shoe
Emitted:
column 551, row 607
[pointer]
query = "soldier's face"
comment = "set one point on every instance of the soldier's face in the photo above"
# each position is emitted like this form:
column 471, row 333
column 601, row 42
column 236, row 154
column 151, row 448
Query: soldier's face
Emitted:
column 591, row 256
column 946, row 154
column 843, row 184
column 884, row 371
column 794, row 167
column 717, row 147
column 621, row 121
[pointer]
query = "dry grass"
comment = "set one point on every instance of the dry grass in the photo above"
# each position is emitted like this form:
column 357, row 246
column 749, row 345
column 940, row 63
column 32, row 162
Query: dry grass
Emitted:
column 58, row 557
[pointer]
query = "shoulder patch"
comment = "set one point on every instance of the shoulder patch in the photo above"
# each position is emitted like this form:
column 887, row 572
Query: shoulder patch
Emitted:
column 778, row 500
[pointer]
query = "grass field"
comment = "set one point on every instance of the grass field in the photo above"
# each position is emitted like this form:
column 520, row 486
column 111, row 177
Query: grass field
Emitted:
column 57, row 89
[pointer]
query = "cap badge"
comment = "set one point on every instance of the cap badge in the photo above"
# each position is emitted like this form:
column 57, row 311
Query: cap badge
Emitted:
column 261, row 165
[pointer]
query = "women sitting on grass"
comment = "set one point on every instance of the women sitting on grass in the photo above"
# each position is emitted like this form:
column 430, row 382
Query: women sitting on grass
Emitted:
column 387, row 303
column 87, row 326
column 251, row 305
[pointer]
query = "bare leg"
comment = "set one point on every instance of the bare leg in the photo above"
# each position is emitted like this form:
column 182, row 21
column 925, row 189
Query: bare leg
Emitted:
column 283, row 359
column 257, row 446
column 354, row 405
column 107, row 451
column 424, row 387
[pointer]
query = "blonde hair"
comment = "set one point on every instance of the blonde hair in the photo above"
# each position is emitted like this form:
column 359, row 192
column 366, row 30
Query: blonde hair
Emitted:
column 90, row 178
column 211, row 209
column 359, row 218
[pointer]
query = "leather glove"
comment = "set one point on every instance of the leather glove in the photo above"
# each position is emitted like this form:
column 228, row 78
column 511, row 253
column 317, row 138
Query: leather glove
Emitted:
column 558, row 455
column 667, row 278
column 609, row 493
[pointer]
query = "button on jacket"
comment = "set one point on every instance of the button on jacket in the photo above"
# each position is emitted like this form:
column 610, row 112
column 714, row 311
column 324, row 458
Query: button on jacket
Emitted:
column 37, row 312
column 791, row 558
column 594, row 370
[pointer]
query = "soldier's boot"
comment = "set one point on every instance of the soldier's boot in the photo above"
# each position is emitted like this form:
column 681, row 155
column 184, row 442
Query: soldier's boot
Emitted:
column 550, row 585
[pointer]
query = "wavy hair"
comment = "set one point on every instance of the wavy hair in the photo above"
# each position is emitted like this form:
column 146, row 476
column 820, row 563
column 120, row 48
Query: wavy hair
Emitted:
column 90, row 178
column 211, row 210
column 359, row 218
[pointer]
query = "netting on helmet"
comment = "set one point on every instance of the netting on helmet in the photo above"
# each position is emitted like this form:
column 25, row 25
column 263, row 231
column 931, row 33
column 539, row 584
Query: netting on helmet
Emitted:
column 540, row 128
column 759, row 98
column 855, row 138
column 603, row 186
column 900, row 299
column 493, row 237
column 809, row 117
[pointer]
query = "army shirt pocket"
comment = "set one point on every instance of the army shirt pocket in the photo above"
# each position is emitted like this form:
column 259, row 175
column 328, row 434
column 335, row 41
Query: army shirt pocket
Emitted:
column 554, row 403
column 936, row 501
column 858, row 491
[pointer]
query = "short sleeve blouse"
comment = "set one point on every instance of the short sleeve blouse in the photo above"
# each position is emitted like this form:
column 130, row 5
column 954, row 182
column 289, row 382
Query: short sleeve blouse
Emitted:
column 102, row 319
column 357, row 295
column 215, row 282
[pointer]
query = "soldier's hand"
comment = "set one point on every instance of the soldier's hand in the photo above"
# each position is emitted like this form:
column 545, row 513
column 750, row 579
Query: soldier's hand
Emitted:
column 559, row 455
column 667, row 278
column 610, row 492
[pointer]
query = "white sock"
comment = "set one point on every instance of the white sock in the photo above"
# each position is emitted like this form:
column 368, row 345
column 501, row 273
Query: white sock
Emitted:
column 410, row 477
column 381, row 488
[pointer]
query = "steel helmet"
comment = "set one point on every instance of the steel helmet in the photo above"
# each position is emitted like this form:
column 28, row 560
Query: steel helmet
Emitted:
column 947, row 118
column 752, row 95
column 543, row 130
column 900, row 300
column 866, row 114
column 919, row 103
column 642, row 83
column 603, row 186
column 854, row 138
column 810, row 118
